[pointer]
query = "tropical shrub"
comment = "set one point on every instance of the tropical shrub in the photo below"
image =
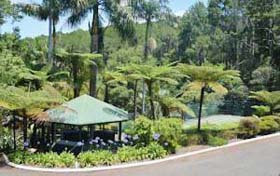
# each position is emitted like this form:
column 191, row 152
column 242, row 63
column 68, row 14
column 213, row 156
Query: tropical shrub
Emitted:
column 216, row 141
column 143, row 128
column 248, row 127
column 195, row 139
column 6, row 140
column 154, row 151
column 66, row 159
column 19, row 157
column 228, row 134
column 128, row 153
column 102, row 157
column 50, row 159
column 268, row 125
column 168, row 132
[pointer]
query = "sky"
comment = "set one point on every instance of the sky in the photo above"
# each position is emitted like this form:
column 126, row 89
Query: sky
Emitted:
column 31, row 27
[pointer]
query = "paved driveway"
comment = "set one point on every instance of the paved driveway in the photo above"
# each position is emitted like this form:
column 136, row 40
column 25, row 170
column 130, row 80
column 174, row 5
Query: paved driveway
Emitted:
column 260, row 158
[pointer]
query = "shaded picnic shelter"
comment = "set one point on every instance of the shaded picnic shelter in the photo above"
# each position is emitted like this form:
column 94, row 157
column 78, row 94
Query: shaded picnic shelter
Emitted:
column 81, row 115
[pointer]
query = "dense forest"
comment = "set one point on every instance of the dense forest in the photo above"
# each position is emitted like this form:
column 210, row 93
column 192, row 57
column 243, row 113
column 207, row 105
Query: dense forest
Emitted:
column 138, row 62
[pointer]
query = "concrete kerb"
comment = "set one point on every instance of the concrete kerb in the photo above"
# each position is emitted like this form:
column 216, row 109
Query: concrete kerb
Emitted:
column 129, row 165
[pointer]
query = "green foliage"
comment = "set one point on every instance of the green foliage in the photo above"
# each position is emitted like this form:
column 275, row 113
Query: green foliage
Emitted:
column 269, row 125
column 49, row 160
column 166, row 131
column 194, row 139
column 154, row 151
column 261, row 110
column 89, row 159
column 6, row 140
column 248, row 127
column 170, row 131
column 216, row 141
column 143, row 127
column 11, row 68
column 270, row 99
column 6, row 10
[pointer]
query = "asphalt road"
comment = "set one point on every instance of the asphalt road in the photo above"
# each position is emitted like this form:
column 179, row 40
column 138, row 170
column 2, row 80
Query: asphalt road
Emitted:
column 260, row 158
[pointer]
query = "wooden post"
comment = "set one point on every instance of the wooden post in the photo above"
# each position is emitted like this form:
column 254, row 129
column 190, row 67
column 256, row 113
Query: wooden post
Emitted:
column 80, row 133
column 200, row 108
column 24, row 131
column 14, row 131
column 43, row 135
column 120, row 131
column 53, row 132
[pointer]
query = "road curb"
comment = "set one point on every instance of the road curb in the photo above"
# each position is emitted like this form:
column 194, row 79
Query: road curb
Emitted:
column 144, row 163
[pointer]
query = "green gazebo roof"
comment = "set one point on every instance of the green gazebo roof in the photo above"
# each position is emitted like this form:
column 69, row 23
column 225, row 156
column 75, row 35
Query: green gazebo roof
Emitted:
column 86, row 110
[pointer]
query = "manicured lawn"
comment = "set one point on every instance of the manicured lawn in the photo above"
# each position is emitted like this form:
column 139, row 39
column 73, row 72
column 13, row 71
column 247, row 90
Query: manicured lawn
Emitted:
column 218, row 122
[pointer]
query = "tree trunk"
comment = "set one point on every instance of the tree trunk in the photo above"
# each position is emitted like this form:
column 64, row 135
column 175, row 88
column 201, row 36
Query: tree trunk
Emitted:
column 150, row 87
column 148, row 23
column 25, row 131
column 94, row 48
column 106, row 94
column 200, row 108
column 14, row 131
column 143, row 98
column 94, row 30
column 93, row 80
column 54, row 41
column 76, row 88
column 50, row 42
column 135, row 99
column 147, row 34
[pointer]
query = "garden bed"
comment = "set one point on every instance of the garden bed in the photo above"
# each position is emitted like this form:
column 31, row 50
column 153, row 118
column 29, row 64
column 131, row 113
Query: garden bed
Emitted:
column 195, row 150
column 150, row 142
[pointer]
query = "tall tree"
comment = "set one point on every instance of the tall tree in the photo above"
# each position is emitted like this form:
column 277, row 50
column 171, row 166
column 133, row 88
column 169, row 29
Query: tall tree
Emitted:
column 148, row 10
column 6, row 10
column 156, row 74
column 118, row 16
column 207, row 77
column 50, row 10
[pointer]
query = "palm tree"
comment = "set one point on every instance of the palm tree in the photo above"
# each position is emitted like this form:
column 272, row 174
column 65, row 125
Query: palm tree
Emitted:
column 119, row 17
column 28, row 104
column 172, row 104
column 112, row 78
column 207, row 77
column 78, row 65
column 147, row 10
column 132, row 73
column 48, row 10
column 152, row 74
column 270, row 99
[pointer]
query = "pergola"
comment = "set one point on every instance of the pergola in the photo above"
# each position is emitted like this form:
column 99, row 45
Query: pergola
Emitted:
column 86, row 111
column 83, row 111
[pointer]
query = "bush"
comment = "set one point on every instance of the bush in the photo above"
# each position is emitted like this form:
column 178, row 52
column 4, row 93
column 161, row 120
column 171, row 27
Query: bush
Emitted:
column 102, row 157
column 50, row 159
column 170, row 131
column 183, row 141
column 228, row 134
column 66, row 159
column 6, row 140
column 268, row 125
column 248, row 127
column 142, row 127
column 216, row 141
column 195, row 139
column 19, row 157
column 154, row 151
column 126, row 154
